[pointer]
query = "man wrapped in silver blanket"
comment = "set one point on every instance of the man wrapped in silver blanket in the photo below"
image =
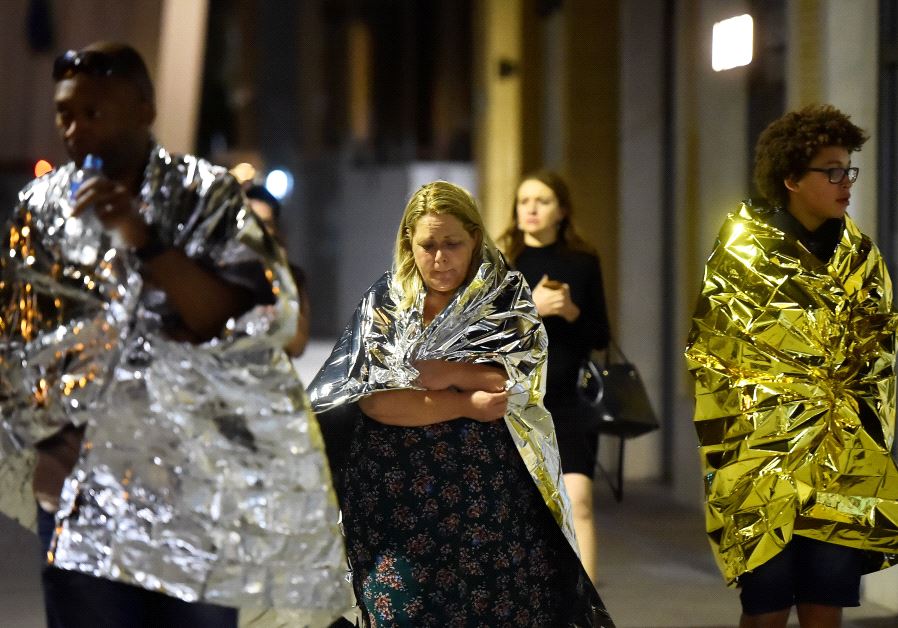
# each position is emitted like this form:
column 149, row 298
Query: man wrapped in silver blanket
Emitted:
column 145, row 398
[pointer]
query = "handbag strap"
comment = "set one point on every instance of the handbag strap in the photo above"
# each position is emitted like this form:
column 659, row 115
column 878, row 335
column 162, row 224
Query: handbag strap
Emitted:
column 614, row 348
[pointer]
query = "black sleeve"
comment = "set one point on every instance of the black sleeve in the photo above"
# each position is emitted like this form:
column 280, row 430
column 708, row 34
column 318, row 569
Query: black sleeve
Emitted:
column 596, row 311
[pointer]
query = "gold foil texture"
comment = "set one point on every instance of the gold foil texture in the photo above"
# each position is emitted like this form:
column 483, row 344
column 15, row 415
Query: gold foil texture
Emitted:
column 793, row 361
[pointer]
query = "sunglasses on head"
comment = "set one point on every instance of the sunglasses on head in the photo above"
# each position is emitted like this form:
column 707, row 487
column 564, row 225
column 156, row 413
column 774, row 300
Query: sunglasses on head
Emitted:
column 90, row 62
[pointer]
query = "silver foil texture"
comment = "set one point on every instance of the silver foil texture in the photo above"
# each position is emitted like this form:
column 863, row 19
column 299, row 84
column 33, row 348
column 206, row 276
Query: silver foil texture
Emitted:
column 493, row 320
column 202, row 473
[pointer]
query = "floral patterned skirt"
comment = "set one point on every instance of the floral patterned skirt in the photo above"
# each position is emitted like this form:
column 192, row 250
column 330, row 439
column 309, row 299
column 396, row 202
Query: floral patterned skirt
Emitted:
column 445, row 527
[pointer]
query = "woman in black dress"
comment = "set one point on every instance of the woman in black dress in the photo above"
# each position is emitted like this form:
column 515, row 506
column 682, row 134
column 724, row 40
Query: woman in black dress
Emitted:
column 452, row 508
column 566, row 278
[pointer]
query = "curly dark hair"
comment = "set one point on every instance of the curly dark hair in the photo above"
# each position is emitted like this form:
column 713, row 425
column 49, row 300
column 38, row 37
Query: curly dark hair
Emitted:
column 787, row 146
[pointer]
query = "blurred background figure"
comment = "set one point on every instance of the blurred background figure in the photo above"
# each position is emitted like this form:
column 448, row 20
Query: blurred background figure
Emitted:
column 564, row 273
column 267, row 207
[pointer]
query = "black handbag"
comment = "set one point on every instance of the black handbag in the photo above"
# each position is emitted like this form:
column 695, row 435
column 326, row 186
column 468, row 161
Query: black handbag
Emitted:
column 613, row 396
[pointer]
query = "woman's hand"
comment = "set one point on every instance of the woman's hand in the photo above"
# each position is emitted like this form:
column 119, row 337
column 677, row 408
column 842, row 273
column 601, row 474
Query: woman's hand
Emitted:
column 453, row 390
column 487, row 406
column 553, row 298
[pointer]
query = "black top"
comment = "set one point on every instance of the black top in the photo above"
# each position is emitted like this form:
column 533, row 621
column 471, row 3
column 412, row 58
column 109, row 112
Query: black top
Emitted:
column 821, row 242
column 569, row 343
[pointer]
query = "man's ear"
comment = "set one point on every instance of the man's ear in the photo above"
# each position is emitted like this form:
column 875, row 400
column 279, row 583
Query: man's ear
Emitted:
column 791, row 184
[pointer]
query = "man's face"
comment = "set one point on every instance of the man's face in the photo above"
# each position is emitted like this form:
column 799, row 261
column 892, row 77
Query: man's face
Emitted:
column 102, row 116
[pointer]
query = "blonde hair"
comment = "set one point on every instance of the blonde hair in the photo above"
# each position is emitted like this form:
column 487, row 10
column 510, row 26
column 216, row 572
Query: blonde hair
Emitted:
column 445, row 199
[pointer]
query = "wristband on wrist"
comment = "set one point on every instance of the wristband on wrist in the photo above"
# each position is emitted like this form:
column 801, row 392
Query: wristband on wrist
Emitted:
column 152, row 248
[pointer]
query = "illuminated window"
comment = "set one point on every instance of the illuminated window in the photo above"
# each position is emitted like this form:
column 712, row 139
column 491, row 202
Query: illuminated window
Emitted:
column 731, row 43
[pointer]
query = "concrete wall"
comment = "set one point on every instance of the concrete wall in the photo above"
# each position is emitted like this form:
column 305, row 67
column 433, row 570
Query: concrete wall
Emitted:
column 640, row 209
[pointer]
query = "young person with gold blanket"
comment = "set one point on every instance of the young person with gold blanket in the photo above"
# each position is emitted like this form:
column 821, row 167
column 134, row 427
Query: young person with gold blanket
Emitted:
column 792, row 349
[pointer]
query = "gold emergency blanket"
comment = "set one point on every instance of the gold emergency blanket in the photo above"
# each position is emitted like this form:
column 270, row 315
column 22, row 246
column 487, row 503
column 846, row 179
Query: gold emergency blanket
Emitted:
column 793, row 362
column 490, row 320
column 202, row 473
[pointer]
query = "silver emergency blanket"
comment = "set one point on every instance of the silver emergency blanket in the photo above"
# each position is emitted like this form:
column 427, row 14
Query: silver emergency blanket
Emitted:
column 490, row 320
column 202, row 473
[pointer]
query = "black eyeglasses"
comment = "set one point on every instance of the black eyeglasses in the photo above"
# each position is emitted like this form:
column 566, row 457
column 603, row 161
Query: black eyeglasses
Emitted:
column 90, row 62
column 837, row 175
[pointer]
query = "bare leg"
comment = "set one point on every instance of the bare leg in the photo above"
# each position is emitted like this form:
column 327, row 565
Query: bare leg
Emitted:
column 579, row 489
column 819, row 616
column 776, row 619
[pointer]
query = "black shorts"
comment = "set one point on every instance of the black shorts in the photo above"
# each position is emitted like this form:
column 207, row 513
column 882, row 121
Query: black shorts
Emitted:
column 805, row 572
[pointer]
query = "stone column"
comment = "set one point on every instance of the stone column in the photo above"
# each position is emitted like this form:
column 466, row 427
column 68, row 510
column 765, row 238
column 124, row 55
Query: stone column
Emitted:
column 498, row 129
column 182, row 47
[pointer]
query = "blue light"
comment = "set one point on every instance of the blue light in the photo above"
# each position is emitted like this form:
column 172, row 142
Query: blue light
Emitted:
column 279, row 183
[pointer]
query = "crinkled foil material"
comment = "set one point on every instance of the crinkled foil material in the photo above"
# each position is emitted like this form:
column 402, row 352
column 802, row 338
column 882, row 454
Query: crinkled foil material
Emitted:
column 491, row 320
column 793, row 361
column 202, row 473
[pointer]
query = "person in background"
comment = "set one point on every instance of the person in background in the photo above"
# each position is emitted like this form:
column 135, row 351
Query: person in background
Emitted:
column 268, row 209
column 566, row 277
column 452, row 506
column 792, row 349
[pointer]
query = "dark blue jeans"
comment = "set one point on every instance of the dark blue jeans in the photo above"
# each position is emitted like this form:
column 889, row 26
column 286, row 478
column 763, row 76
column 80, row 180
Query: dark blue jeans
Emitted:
column 76, row 600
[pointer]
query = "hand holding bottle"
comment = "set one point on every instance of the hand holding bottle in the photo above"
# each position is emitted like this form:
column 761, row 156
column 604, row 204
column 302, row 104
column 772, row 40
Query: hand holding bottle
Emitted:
column 110, row 202
column 83, row 230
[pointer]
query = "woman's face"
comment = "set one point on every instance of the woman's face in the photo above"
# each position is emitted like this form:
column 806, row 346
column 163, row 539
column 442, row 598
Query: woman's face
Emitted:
column 538, row 212
column 443, row 252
